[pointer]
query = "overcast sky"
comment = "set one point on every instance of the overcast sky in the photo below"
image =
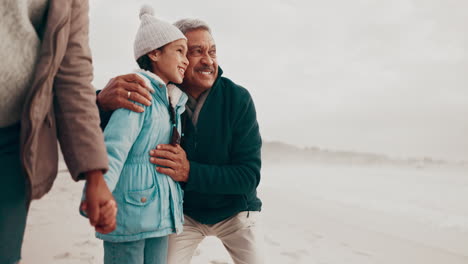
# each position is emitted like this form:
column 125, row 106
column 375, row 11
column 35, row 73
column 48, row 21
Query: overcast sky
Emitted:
column 364, row 75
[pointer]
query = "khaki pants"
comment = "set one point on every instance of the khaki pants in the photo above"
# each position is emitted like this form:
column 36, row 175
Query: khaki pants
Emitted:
column 241, row 236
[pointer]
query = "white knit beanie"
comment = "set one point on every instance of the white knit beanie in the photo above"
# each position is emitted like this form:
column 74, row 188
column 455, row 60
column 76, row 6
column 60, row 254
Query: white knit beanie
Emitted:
column 153, row 33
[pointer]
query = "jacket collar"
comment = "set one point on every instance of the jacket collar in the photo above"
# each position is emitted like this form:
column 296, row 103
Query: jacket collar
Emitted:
column 171, row 92
column 220, row 73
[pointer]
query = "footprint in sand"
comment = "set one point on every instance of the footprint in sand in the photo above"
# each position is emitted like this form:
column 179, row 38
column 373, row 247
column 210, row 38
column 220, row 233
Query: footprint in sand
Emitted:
column 87, row 243
column 362, row 253
column 343, row 244
column 65, row 255
column 41, row 223
column 82, row 257
column 271, row 242
column 314, row 238
column 317, row 236
column 295, row 255
column 292, row 255
column 197, row 252
column 312, row 233
column 85, row 257
column 218, row 262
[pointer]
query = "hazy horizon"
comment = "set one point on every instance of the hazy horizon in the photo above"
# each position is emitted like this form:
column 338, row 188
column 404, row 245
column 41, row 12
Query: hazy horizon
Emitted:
column 365, row 76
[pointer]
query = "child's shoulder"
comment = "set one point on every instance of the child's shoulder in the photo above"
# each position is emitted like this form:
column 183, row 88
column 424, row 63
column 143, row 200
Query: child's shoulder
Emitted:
column 151, row 80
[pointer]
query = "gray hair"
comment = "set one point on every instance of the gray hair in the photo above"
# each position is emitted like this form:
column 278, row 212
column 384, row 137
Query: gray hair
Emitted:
column 188, row 24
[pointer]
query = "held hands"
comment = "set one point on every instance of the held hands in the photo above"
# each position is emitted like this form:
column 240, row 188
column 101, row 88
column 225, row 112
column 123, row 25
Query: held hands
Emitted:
column 99, row 205
column 107, row 213
column 121, row 91
column 174, row 159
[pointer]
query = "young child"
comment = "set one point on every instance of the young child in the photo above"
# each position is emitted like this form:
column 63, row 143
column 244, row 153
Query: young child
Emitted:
column 149, row 203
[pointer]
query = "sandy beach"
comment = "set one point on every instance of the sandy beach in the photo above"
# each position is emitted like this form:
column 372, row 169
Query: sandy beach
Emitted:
column 312, row 213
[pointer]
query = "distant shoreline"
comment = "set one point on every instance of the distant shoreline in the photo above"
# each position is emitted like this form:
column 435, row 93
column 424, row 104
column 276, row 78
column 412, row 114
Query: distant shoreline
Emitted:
column 280, row 151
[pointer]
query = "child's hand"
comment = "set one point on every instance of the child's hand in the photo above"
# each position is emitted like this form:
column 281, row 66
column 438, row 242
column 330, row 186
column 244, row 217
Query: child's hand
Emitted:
column 97, row 196
column 107, row 216
column 83, row 208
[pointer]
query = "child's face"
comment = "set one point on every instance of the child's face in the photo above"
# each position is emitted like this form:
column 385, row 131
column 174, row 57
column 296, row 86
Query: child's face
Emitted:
column 171, row 62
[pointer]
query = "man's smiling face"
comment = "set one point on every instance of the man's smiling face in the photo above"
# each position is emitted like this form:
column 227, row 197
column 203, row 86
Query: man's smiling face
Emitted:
column 202, row 70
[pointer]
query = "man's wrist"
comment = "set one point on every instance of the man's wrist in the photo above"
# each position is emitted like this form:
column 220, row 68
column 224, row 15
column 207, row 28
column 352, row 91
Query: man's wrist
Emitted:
column 187, row 176
column 98, row 102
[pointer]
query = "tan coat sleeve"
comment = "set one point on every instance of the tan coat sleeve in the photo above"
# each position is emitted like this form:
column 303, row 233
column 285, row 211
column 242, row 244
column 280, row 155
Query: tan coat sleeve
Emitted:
column 76, row 112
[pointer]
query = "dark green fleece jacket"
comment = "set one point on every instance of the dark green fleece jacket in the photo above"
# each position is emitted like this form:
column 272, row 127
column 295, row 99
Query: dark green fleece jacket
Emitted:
column 224, row 153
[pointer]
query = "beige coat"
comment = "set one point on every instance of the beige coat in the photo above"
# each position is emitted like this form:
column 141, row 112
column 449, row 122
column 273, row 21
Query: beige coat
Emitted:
column 61, row 103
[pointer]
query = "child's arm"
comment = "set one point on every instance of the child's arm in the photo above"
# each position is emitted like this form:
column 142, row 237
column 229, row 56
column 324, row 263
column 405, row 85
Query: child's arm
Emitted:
column 121, row 132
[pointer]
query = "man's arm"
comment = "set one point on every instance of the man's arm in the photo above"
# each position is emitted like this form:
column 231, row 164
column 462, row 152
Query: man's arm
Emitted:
column 116, row 95
column 241, row 176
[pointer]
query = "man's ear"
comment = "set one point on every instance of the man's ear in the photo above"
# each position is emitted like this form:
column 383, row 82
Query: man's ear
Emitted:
column 154, row 55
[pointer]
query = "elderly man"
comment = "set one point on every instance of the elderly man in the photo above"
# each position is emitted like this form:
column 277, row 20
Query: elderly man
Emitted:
column 219, row 162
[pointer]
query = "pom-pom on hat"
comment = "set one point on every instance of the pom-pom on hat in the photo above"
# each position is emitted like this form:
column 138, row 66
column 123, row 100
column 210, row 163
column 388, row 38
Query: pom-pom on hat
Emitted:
column 153, row 33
